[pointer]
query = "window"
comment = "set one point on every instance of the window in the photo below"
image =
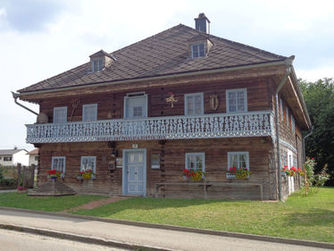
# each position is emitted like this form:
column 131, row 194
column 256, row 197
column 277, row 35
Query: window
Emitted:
column 238, row 160
column 193, row 104
column 36, row 158
column 236, row 100
column 281, row 109
column 89, row 112
column 198, row 50
column 293, row 124
column 59, row 164
column 7, row 158
column 287, row 116
column 60, row 114
column 155, row 160
column 195, row 161
column 135, row 106
column 97, row 65
column 88, row 162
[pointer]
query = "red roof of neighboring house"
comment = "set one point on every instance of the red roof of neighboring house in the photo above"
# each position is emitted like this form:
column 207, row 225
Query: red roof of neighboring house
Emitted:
column 34, row 152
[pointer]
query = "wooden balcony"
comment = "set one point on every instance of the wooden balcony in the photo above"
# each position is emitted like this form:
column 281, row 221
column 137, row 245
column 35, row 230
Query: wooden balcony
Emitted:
column 219, row 125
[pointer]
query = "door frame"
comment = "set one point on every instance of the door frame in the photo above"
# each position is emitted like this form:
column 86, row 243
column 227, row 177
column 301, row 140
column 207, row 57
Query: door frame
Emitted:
column 125, row 173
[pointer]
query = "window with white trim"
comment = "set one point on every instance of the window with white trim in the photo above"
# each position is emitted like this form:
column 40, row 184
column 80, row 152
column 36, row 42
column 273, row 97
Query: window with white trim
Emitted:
column 281, row 109
column 195, row 161
column 193, row 104
column 89, row 112
column 88, row 162
column 59, row 164
column 287, row 116
column 135, row 106
column 238, row 160
column 197, row 50
column 7, row 158
column 97, row 65
column 236, row 100
column 60, row 114
column 293, row 124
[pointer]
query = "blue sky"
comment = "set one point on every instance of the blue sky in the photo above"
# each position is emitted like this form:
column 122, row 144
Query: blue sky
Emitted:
column 41, row 38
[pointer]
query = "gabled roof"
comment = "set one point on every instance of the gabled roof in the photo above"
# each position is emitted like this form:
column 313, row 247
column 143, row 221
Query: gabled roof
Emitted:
column 34, row 152
column 162, row 54
column 10, row 151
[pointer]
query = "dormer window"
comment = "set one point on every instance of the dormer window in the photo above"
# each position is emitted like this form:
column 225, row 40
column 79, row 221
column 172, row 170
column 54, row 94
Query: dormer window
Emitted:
column 97, row 65
column 100, row 60
column 197, row 50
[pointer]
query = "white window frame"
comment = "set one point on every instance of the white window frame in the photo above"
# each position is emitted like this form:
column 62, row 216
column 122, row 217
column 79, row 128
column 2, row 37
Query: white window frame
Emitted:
column 281, row 109
column 134, row 95
column 99, row 62
column 54, row 113
column 90, row 158
column 287, row 115
column 198, row 50
column 202, row 154
column 245, row 100
column 186, row 103
column 230, row 154
column 59, row 157
column 86, row 107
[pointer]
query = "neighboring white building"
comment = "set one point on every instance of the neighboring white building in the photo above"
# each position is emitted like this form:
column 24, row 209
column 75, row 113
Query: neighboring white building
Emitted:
column 33, row 157
column 12, row 157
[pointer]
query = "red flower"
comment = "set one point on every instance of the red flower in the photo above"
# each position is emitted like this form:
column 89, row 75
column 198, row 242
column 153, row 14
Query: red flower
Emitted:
column 285, row 166
column 312, row 158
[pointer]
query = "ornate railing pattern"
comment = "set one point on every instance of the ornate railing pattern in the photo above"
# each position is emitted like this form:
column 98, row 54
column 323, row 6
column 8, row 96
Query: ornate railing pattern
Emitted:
column 220, row 125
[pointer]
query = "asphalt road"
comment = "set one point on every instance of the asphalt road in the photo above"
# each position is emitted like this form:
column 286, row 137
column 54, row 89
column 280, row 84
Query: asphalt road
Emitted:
column 17, row 241
column 135, row 235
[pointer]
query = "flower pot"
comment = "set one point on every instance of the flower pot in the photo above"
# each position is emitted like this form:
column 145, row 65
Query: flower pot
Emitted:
column 230, row 176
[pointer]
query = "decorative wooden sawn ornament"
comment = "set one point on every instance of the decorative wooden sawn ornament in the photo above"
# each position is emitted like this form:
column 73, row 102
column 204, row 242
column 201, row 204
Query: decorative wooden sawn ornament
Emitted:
column 214, row 102
column 171, row 99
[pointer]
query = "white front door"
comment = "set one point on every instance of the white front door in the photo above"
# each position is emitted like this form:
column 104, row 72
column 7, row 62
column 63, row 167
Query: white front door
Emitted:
column 134, row 172
column 290, row 178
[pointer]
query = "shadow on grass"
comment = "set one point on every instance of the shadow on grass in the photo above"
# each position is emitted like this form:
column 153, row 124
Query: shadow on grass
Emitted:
column 313, row 217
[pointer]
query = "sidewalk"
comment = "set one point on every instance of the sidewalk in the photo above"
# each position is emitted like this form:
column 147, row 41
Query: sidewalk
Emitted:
column 136, row 236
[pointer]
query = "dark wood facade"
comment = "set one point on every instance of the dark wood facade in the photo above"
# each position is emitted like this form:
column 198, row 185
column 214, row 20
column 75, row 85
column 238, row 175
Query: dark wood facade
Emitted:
column 262, row 183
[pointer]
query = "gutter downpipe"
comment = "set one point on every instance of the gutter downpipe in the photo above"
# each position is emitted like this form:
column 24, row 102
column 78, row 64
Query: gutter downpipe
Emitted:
column 15, row 96
column 282, row 82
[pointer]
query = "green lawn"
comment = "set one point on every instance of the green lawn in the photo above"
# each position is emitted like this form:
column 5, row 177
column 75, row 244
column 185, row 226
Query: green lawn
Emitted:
column 52, row 204
column 309, row 218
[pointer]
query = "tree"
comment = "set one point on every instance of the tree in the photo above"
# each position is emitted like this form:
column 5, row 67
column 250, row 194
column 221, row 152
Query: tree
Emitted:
column 319, row 99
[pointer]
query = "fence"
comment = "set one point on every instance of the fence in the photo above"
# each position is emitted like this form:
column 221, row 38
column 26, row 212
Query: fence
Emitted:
column 14, row 176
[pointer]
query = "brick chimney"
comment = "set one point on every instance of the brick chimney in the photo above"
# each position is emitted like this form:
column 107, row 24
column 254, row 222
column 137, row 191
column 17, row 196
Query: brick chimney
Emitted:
column 202, row 23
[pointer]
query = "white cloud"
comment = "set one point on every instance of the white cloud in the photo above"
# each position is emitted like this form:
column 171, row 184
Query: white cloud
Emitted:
column 316, row 73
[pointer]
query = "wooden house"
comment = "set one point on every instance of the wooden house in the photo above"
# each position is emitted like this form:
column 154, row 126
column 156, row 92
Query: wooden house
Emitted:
column 181, row 99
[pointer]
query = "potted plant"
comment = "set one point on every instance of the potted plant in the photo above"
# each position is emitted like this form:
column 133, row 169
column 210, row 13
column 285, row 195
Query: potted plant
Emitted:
column 87, row 174
column 193, row 175
column 54, row 174
column 230, row 174
column 237, row 173
column 242, row 173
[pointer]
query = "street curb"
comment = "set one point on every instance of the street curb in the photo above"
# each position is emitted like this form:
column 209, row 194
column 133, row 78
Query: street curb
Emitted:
column 80, row 238
column 185, row 229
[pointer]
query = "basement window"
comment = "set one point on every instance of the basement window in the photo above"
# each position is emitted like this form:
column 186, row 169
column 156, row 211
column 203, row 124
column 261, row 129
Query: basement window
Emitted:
column 197, row 50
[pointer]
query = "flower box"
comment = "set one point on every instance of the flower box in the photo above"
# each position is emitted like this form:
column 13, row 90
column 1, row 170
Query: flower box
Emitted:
column 230, row 176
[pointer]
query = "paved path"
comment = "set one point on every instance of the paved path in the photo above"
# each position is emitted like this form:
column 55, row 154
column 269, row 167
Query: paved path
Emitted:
column 12, row 240
column 135, row 235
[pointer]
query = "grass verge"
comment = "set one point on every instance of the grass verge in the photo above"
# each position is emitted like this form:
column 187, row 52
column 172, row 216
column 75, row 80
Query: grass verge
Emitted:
column 308, row 218
column 50, row 203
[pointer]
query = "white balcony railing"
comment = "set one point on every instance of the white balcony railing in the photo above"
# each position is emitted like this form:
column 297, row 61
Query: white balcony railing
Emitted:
column 219, row 125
